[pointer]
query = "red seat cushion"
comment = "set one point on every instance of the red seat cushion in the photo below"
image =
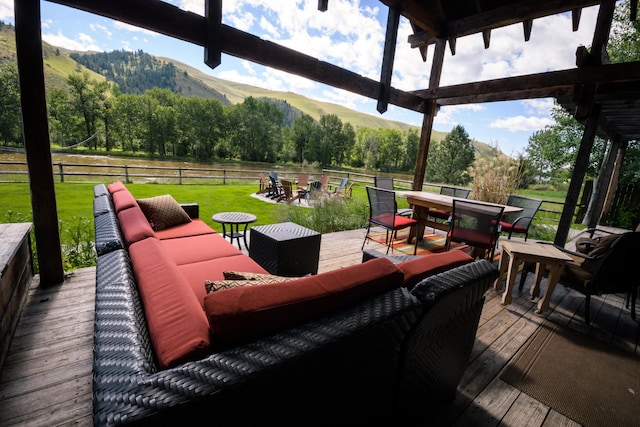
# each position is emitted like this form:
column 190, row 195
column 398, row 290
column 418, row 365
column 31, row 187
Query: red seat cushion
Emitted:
column 193, row 228
column 199, row 248
column 196, row 273
column 426, row 266
column 177, row 325
column 116, row 186
column 240, row 314
column 507, row 226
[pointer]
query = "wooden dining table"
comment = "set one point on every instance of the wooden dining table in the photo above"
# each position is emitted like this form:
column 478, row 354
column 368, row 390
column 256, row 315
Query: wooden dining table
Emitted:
column 422, row 201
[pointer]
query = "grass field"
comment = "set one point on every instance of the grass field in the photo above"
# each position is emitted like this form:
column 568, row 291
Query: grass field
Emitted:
column 75, row 210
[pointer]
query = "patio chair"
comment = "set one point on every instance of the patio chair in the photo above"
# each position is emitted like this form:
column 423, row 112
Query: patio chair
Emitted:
column 302, row 185
column 520, row 222
column 609, row 268
column 475, row 224
column 462, row 193
column 275, row 189
column 264, row 184
column 386, row 182
column 340, row 188
column 382, row 213
column 324, row 180
column 288, row 193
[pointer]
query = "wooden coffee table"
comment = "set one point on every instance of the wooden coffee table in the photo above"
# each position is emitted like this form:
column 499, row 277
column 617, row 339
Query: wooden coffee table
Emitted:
column 545, row 256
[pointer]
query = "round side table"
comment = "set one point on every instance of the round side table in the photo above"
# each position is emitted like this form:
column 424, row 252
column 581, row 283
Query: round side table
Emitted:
column 235, row 219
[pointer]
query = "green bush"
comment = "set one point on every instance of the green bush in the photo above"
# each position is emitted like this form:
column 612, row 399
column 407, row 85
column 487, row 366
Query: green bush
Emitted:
column 329, row 215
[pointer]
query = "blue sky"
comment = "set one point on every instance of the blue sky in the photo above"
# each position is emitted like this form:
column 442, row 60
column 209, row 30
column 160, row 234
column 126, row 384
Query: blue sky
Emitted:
column 351, row 35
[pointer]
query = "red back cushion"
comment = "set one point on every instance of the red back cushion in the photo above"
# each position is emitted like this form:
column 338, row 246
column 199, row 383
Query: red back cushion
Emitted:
column 420, row 268
column 116, row 186
column 134, row 225
column 123, row 200
column 239, row 314
column 177, row 325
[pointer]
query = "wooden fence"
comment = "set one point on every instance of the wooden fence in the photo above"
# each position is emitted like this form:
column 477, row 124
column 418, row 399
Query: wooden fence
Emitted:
column 78, row 172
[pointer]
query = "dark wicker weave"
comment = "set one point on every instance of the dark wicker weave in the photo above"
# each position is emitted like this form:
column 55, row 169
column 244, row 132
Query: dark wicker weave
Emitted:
column 365, row 364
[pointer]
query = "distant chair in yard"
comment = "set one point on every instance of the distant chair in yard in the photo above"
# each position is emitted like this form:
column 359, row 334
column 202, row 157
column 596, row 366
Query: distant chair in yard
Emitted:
column 382, row 213
column 302, row 185
column 340, row 190
column 276, row 190
column 519, row 222
column 288, row 193
column 475, row 224
column 264, row 184
column 324, row 180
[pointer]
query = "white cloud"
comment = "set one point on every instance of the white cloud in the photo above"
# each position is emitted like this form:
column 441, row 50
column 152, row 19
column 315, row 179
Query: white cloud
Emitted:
column 6, row 10
column 448, row 115
column 538, row 106
column 101, row 28
column 131, row 28
column 82, row 42
column 522, row 123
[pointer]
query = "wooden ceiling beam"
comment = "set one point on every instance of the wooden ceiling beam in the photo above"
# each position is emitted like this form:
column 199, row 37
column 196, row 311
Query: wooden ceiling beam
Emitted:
column 163, row 18
column 551, row 82
column 212, row 49
column 393, row 20
column 493, row 18
column 418, row 14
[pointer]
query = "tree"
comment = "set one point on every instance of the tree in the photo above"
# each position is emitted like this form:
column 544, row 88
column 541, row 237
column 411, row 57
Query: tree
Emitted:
column 304, row 133
column 9, row 104
column 451, row 158
column 255, row 130
column 552, row 151
column 87, row 99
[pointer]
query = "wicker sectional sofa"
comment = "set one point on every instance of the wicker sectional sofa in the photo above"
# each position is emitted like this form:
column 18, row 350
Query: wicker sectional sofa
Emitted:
column 382, row 341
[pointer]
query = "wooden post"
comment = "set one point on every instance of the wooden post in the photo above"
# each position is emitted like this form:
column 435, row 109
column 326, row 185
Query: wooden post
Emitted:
column 431, row 108
column 580, row 167
column 36, row 140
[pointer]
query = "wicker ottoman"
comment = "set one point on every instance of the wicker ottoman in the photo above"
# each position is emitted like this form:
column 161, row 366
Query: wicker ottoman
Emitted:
column 285, row 249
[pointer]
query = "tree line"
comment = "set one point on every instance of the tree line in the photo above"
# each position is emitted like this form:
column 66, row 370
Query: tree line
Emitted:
column 161, row 123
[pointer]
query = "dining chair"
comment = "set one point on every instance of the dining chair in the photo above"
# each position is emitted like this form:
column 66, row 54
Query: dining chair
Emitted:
column 386, row 182
column 475, row 224
column 519, row 222
column 382, row 213
column 448, row 191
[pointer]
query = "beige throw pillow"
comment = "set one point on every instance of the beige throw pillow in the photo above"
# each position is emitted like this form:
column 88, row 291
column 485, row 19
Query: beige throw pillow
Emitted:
column 235, row 279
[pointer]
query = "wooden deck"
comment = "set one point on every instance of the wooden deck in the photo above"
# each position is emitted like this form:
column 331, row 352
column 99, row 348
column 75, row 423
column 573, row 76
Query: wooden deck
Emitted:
column 46, row 379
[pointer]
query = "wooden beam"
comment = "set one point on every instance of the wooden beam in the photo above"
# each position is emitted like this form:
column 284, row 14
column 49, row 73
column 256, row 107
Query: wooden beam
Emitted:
column 541, row 84
column 323, row 5
column 212, row 49
column 486, row 38
column 575, row 19
column 488, row 19
column 36, row 140
column 161, row 17
column 393, row 20
column 633, row 10
column 429, row 116
column 527, row 25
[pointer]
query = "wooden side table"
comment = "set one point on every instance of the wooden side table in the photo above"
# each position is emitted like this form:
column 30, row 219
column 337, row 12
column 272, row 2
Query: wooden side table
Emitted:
column 545, row 257
column 235, row 219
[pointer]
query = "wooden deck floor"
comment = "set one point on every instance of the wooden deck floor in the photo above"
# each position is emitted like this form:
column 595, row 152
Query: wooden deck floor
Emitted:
column 46, row 380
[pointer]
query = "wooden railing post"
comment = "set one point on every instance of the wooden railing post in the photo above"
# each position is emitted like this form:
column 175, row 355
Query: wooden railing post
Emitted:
column 126, row 174
column 61, row 172
column 179, row 176
column 224, row 177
